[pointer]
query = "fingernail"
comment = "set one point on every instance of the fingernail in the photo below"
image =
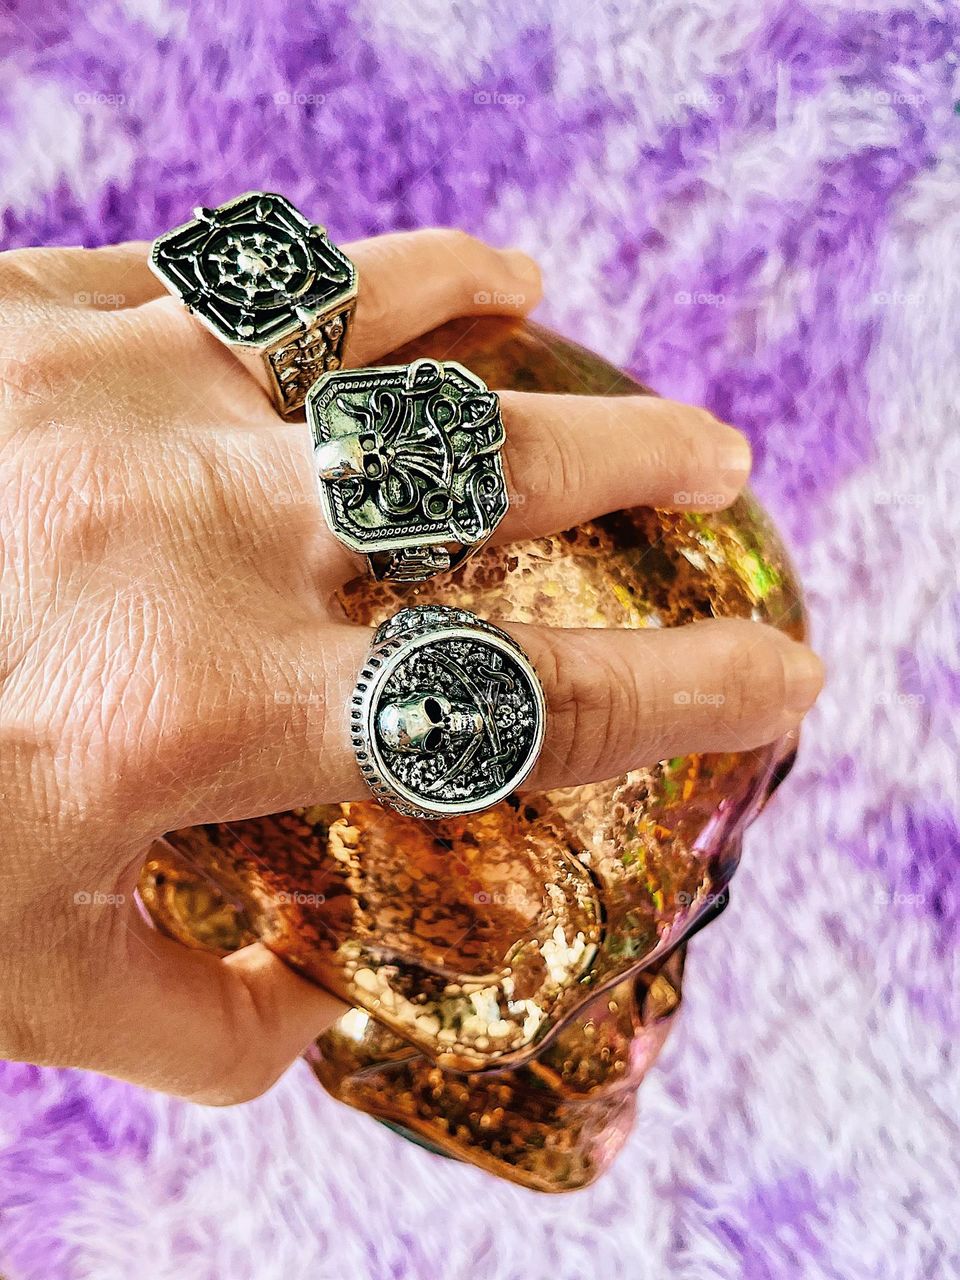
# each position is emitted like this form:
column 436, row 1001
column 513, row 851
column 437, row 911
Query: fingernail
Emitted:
column 803, row 677
column 521, row 266
column 734, row 455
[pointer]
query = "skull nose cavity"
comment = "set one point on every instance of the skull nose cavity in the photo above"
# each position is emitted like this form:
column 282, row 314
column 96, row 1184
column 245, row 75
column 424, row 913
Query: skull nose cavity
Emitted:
column 434, row 713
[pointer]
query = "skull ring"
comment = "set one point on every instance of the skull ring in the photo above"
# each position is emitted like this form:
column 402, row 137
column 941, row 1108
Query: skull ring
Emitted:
column 408, row 459
column 448, row 714
column 266, row 282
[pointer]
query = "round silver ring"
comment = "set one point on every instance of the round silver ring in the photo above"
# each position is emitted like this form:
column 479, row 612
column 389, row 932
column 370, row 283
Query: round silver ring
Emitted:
column 408, row 462
column 448, row 714
column 267, row 282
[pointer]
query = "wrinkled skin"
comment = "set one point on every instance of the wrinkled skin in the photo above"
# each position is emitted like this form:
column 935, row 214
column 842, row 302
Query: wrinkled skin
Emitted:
column 171, row 652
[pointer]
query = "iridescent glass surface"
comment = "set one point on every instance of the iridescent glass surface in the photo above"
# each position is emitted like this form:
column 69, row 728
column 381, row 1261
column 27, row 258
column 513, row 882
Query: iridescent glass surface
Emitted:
column 512, row 974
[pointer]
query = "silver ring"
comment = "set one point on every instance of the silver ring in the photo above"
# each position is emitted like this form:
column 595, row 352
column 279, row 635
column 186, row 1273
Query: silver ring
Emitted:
column 448, row 714
column 268, row 283
column 408, row 460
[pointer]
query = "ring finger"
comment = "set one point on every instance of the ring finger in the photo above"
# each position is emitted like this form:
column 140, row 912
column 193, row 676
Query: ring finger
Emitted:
column 616, row 700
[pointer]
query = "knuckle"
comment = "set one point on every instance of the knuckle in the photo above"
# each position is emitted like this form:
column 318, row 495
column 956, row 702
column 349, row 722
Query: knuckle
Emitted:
column 456, row 242
column 568, row 457
column 684, row 451
column 537, row 463
column 595, row 705
column 70, row 516
column 244, row 1079
column 378, row 302
column 696, row 438
column 42, row 998
column 24, row 1037
column 614, row 713
column 21, row 272
column 47, row 353
column 558, row 681
column 471, row 263
column 752, row 676
column 23, row 1032
column 30, row 372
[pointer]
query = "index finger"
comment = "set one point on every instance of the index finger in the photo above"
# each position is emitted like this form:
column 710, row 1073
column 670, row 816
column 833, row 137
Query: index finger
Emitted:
column 413, row 281
column 409, row 282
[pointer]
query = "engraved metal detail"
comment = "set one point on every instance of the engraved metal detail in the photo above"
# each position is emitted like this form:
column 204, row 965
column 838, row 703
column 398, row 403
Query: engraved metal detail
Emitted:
column 409, row 463
column 448, row 714
column 263, row 278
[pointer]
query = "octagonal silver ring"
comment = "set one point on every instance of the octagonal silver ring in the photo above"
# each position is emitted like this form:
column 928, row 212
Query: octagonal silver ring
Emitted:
column 269, row 284
column 408, row 459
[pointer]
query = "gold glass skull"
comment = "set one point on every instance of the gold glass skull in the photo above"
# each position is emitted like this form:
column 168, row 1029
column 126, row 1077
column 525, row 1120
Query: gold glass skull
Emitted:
column 513, row 974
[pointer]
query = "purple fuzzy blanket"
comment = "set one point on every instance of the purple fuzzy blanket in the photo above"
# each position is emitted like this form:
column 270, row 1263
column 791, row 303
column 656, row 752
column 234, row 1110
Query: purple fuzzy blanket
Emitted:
column 753, row 205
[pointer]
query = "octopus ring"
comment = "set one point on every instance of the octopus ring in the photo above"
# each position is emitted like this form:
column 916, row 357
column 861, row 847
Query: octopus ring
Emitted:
column 448, row 714
column 266, row 282
column 408, row 459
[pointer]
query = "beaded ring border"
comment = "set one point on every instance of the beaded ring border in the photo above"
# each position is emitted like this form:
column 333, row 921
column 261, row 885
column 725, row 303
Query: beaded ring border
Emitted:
column 448, row 714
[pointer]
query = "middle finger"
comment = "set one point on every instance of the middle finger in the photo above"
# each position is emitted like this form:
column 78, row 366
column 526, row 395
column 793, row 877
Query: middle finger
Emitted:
column 572, row 458
column 568, row 459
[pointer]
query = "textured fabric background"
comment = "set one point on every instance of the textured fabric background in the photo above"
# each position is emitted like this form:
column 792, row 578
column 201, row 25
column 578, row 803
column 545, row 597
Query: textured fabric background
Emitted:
column 751, row 204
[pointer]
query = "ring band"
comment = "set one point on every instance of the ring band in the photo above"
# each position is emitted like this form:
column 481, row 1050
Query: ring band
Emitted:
column 448, row 714
column 408, row 459
column 266, row 282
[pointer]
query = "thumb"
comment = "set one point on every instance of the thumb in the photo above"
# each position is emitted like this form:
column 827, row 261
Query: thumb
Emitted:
column 185, row 1022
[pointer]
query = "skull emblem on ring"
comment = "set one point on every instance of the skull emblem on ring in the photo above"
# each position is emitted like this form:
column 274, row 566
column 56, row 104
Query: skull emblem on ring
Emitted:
column 427, row 723
column 408, row 462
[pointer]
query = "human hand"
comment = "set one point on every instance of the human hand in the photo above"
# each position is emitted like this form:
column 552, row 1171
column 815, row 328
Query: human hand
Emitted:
column 171, row 653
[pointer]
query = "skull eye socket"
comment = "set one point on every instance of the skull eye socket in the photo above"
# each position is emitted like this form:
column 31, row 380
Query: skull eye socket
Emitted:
column 433, row 709
column 372, row 462
column 433, row 740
